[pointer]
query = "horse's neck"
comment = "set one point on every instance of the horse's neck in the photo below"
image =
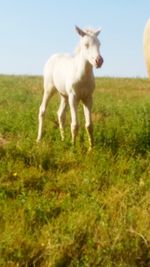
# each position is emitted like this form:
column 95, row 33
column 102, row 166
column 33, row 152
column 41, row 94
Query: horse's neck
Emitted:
column 83, row 67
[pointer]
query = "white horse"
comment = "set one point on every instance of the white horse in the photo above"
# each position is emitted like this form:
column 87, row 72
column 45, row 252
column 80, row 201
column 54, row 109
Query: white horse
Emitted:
column 146, row 46
column 72, row 77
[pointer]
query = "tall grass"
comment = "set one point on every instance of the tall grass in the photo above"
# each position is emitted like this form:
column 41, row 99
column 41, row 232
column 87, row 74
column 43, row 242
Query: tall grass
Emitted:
column 61, row 206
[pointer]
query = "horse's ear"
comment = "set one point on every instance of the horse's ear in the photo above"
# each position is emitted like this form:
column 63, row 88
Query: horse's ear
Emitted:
column 79, row 31
column 97, row 32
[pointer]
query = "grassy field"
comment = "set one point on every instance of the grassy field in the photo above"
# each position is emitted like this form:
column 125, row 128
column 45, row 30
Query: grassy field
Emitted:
column 61, row 206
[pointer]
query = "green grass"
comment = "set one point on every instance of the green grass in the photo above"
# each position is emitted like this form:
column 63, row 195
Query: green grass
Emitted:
column 61, row 206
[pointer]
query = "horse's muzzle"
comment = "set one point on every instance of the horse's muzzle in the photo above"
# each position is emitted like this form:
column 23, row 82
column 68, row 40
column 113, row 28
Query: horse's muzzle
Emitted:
column 99, row 62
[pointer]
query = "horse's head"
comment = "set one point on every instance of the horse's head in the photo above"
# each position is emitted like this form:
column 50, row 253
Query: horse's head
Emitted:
column 90, row 46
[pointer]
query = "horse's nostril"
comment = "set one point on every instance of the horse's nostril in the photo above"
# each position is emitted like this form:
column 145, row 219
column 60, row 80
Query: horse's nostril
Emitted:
column 99, row 61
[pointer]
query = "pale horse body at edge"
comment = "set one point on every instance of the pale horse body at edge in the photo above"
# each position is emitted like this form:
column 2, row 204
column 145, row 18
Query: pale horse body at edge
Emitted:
column 72, row 76
column 146, row 46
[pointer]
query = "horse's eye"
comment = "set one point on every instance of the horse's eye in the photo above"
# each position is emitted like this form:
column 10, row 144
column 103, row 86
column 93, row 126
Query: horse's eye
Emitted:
column 87, row 45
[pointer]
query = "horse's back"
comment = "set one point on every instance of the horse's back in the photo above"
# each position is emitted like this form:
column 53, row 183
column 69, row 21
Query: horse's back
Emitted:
column 55, row 61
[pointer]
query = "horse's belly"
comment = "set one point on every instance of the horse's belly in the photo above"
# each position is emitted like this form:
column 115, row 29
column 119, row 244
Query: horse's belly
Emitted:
column 61, row 87
column 60, row 82
column 61, row 73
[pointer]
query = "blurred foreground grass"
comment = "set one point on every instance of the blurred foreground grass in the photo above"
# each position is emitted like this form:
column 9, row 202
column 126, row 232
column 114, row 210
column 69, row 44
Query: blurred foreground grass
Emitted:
column 61, row 206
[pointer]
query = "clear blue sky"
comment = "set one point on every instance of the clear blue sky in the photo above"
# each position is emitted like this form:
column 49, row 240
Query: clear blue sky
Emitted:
column 32, row 30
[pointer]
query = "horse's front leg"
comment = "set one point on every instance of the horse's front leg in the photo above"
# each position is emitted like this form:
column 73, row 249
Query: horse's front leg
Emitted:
column 87, row 106
column 73, row 103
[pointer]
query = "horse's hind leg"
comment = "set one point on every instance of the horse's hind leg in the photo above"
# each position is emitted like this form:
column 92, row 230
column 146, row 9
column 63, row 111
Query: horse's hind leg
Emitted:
column 87, row 106
column 73, row 103
column 48, row 93
column 62, row 115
